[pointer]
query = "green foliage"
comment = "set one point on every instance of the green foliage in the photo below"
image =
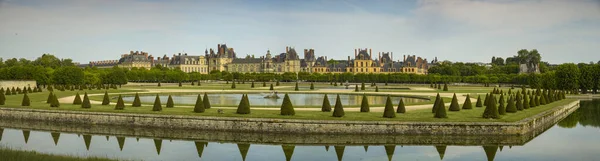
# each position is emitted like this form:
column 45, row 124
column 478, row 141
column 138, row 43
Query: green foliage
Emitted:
column 479, row 103
column 286, row 107
column 312, row 86
column 401, row 108
column 486, row 100
column 445, row 87
column 519, row 102
column 264, row 84
column 271, row 88
column 2, row 98
column 356, row 88
column 206, row 101
column 362, row 86
column 106, row 99
column 567, row 76
column 233, row 85
column 388, row 111
column 158, row 84
column 180, row 85
column 440, row 110
column 454, row 104
column 326, row 107
column 252, row 85
column 170, row 103
column 491, row 110
column 364, row 106
column 532, row 101
column 376, row 88
column 467, row 104
column 54, row 102
column 277, row 83
column 338, row 109
column 25, row 101
column 244, row 106
column 435, row 103
column 157, row 105
column 86, row 101
column 77, row 100
column 439, row 86
column 525, row 102
column 511, row 107
column 8, row 92
column 296, row 88
column 136, row 101
column 199, row 107
column 501, row 107
column 120, row 103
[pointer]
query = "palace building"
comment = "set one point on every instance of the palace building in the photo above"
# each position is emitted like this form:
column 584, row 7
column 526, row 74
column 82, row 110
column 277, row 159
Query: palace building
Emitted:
column 284, row 62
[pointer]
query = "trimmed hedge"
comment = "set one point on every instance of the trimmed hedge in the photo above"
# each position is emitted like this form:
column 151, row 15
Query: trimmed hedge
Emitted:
column 454, row 104
column 86, row 101
column 286, row 107
column 388, row 111
column 467, row 104
column 120, row 104
column 136, row 101
column 106, row 99
column 26, row 101
column 440, row 110
column 244, row 106
column 338, row 110
column 401, row 108
column 491, row 111
column 77, row 100
column 206, row 101
column 364, row 106
column 157, row 105
column 170, row 103
column 326, row 107
column 199, row 107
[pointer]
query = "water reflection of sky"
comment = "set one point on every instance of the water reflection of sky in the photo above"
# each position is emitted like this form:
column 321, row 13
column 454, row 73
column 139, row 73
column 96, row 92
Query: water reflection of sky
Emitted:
column 572, row 142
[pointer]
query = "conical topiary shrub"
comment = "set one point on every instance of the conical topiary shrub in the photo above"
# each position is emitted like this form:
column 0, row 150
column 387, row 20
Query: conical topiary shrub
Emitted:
column 157, row 105
column 531, row 101
column 180, row 84
column 252, row 85
column 519, row 102
column 388, row 111
column 326, row 107
column 362, row 86
column 511, row 107
column 136, row 101
column 206, row 101
column 445, row 87
column 170, row 103
column 312, row 86
column 440, row 111
column 271, row 88
column 232, row 84
column 54, row 102
column 286, row 107
column 49, row 99
column 454, row 104
column 199, row 107
column 435, row 103
column 120, row 104
column 376, row 88
column 356, row 88
column 296, row 88
column 77, row 100
column 277, row 83
column 243, row 107
column 105, row 100
column 401, row 108
column 2, row 98
column 159, row 84
column 491, row 111
column 486, row 100
column 338, row 109
column 264, row 84
column 479, row 103
column 25, row 101
column 364, row 106
column 86, row 101
column 501, row 107
column 467, row 104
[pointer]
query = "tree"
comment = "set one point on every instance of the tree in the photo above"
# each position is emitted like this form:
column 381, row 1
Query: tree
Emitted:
column 491, row 111
column 277, row 83
column 401, row 108
column 25, row 101
column 440, row 110
column 244, row 106
column 326, row 107
column 136, row 101
column 501, row 108
column 206, row 101
column 170, row 103
column 54, row 102
column 454, row 104
column 105, row 100
column 120, row 104
column 486, row 100
column 157, row 105
column 445, row 87
column 435, row 103
column 567, row 76
column 199, row 107
column 338, row 110
column 286, row 107
column 519, row 102
column 233, row 85
column 479, row 103
column 364, row 106
column 511, row 107
column 296, row 88
column 467, row 104
column 86, row 101
column 77, row 100
column 525, row 102
column 388, row 111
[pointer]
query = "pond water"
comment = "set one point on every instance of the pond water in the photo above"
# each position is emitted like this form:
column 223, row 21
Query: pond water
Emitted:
column 574, row 138
column 257, row 99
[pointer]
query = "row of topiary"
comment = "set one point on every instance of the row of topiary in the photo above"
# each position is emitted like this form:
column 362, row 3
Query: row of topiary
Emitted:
column 15, row 91
column 439, row 86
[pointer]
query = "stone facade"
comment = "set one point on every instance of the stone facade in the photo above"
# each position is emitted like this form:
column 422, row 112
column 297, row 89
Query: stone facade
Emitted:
column 523, row 127
column 284, row 62
column 17, row 83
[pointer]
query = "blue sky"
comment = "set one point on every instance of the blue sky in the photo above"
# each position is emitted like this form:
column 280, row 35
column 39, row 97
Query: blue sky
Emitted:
column 455, row 30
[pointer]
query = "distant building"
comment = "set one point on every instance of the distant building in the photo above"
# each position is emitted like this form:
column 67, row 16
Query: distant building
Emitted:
column 525, row 68
column 284, row 62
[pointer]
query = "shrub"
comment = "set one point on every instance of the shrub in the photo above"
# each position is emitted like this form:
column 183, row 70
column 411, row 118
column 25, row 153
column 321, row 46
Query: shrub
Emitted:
column 356, row 89
column 157, row 105
column 439, row 86
column 2, row 98
column 120, row 104
column 199, row 107
column 312, row 86
column 440, row 111
column 49, row 99
column 170, row 103
column 206, row 101
column 77, row 100
column 362, row 86
column 335, row 84
column 159, row 84
column 519, row 102
column 54, row 102
column 199, row 84
column 29, row 90
column 454, row 104
column 326, row 107
column 467, row 104
column 491, row 111
column 296, row 88
column 376, row 88
column 511, row 108
column 193, row 84
column 431, row 85
column 364, row 106
column 537, row 100
column 501, row 107
column 136, row 101
column 435, row 103
column 243, row 107
column 232, row 84
column 543, row 99
column 277, row 83
column 264, row 84
column 25, row 101
column 86, row 101
column 180, row 84
column 105, row 100
column 252, row 85
column 286, row 107
column 445, row 87
column 486, row 100
column 388, row 111
column 7, row 92
column 271, row 88
column 401, row 108
column 338, row 109
column 531, row 101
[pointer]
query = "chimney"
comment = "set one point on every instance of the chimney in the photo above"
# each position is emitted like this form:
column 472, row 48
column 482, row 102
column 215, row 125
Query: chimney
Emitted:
column 404, row 58
column 287, row 49
column 348, row 59
column 355, row 52
column 379, row 56
column 370, row 55
column 219, row 46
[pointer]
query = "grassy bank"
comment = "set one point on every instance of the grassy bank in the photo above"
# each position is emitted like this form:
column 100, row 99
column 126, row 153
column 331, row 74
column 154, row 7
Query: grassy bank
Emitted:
column 14, row 155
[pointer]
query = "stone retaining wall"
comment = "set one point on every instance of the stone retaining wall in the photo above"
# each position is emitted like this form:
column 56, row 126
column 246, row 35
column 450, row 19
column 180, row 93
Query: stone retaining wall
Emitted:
column 289, row 126
column 17, row 83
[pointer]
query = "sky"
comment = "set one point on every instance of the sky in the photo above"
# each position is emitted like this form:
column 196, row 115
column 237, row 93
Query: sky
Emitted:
column 455, row 30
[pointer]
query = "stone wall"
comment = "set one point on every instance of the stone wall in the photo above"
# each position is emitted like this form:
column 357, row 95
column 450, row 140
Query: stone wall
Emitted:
column 17, row 83
column 290, row 126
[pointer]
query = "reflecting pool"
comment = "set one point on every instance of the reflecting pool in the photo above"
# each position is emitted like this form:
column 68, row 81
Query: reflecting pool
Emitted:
column 574, row 138
column 257, row 99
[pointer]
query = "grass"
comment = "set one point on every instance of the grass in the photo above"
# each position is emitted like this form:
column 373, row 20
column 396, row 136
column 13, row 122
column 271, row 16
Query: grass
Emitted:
column 38, row 102
column 12, row 154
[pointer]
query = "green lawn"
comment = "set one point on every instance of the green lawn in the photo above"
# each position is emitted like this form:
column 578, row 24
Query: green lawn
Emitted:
column 12, row 154
column 474, row 115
